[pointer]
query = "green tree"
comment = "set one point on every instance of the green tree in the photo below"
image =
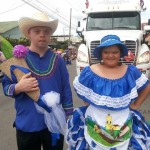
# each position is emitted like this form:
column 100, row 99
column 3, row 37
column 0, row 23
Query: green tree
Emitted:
column 6, row 47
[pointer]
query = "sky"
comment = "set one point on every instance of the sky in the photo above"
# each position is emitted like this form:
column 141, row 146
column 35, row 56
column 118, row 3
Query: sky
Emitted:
column 11, row 10
column 63, row 10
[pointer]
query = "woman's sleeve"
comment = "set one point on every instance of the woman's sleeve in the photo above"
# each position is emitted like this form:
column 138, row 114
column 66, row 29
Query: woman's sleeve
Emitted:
column 140, row 78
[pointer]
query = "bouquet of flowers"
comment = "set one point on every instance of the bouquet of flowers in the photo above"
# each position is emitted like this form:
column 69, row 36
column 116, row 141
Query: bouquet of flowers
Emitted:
column 18, row 59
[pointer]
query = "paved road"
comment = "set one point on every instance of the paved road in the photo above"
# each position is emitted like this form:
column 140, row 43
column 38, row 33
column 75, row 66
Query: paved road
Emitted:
column 7, row 113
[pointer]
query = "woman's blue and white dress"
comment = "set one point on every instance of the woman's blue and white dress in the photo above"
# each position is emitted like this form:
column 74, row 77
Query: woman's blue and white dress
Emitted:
column 108, row 123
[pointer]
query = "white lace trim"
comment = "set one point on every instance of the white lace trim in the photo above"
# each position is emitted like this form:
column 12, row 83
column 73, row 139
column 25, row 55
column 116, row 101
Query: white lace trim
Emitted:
column 108, row 101
column 141, row 81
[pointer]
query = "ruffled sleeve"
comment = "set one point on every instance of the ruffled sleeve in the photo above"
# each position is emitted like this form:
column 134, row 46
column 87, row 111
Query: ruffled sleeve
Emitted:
column 140, row 79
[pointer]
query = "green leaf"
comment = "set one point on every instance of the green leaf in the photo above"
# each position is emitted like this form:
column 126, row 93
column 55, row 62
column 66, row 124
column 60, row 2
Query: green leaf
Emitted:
column 6, row 47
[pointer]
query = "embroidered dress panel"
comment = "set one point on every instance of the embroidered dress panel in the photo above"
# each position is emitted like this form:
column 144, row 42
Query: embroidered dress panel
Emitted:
column 112, row 129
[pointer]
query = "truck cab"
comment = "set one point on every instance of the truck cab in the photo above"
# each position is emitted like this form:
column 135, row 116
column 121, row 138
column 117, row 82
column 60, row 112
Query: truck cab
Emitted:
column 119, row 17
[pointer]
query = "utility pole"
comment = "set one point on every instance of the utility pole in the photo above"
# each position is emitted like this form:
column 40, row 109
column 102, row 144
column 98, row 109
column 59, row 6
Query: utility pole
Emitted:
column 64, row 32
column 70, row 27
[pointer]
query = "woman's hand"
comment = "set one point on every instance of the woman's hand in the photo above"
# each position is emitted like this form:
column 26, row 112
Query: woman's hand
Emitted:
column 26, row 84
column 86, row 103
column 134, row 106
column 142, row 95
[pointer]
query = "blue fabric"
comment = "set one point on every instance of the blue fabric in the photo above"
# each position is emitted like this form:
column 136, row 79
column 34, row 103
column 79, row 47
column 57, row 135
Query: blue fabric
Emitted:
column 91, row 87
column 52, row 77
column 55, row 137
column 140, row 129
column 13, row 67
column 75, row 136
column 113, row 149
column 41, row 103
column 110, row 40
column 93, row 144
column 104, row 87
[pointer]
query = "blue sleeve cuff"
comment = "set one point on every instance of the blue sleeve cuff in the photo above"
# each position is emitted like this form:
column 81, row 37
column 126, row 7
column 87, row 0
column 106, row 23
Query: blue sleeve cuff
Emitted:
column 9, row 90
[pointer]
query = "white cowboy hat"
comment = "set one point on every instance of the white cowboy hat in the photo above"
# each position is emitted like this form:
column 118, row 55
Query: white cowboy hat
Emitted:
column 38, row 19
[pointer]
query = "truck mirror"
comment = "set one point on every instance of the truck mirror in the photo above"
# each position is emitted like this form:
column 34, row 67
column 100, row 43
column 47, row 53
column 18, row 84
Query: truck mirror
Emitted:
column 79, row 29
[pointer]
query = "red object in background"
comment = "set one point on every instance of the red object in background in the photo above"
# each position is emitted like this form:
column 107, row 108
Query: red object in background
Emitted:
column 130, row 56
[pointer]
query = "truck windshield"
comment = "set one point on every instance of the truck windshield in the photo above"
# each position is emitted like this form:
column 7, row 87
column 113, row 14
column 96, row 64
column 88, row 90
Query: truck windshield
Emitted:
column 114, row 20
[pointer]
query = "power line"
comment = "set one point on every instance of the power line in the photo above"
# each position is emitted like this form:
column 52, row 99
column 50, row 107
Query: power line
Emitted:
column 53, row 11
column 56, row 13
column 75, row 5
column 47, row 8
column 12, row 9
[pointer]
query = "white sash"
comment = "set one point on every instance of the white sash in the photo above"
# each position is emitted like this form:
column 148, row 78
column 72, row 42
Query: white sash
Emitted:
column 56, row 119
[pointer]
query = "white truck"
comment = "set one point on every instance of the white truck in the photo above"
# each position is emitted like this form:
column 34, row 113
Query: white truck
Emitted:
column 119, row 17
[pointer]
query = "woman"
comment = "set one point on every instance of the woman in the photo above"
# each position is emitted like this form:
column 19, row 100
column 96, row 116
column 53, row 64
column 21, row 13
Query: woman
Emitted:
column 113, row 92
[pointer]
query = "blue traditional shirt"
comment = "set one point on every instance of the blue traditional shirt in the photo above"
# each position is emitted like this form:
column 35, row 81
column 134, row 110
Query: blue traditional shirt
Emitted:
column 52, row 75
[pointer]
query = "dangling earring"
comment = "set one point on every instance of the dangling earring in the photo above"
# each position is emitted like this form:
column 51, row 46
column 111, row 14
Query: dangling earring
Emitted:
column 120, row 61
column 101, row 61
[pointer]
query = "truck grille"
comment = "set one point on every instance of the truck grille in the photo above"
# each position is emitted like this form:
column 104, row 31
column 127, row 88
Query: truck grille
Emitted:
column 131, row 45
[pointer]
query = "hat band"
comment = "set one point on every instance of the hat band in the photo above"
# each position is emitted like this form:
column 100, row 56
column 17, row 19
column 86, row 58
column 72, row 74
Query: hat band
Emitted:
column 109, row 40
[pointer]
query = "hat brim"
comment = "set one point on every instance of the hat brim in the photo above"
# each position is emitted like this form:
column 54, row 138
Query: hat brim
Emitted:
column 5, row 67
column 26, row 23
column 98, row 50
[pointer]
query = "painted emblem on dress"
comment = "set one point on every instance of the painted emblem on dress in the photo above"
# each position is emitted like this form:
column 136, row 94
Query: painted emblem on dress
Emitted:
column 111, row 134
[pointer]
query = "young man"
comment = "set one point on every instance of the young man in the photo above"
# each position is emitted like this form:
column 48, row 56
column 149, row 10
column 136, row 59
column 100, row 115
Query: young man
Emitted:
column 48, row 73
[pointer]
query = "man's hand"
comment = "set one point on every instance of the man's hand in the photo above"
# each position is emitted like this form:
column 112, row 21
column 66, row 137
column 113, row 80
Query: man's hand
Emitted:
column 26, row 84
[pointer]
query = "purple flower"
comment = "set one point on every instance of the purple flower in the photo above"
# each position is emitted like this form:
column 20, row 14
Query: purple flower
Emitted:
column 20, row 51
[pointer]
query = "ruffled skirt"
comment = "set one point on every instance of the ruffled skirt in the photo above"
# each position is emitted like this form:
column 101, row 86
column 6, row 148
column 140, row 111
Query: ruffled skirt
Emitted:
column 75, row 137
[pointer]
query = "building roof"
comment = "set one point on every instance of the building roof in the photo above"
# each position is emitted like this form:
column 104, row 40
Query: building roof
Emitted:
column 6, row 26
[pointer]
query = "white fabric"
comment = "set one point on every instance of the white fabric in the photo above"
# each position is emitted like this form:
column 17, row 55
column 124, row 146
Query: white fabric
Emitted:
column 99, row 116
column 56, row 119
